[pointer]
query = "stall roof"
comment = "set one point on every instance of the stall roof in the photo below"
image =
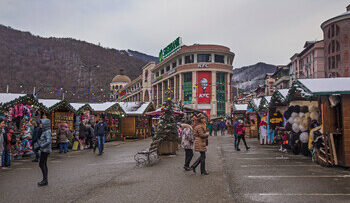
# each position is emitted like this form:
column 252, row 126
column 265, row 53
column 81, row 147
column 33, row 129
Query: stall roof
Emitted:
column 240, row 107
column 7, row 97
column 324, row 86
column 134, row 108
column 48, row 103
column 101, row 106
column 255, row 103
column 79, row 106
column 283, row 92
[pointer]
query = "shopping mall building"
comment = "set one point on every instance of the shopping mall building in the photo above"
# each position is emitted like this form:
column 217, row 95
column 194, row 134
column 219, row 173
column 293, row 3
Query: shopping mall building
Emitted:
column 199, row 76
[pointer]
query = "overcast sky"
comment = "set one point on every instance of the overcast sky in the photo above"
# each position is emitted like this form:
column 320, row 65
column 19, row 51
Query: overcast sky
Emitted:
column 270, row 31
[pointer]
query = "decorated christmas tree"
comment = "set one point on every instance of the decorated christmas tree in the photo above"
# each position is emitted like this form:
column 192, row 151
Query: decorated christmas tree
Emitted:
column 167, row 127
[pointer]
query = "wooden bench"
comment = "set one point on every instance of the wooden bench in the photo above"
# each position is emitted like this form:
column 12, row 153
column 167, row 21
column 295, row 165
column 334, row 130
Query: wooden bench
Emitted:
column 148, row 156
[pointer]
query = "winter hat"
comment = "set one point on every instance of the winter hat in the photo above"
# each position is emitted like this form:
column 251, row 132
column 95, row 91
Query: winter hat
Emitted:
column 304, row 137
column 287, row 114
column 297, row 109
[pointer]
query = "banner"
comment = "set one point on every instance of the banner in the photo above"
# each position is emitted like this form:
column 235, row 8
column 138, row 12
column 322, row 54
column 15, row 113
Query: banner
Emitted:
column 204, row 87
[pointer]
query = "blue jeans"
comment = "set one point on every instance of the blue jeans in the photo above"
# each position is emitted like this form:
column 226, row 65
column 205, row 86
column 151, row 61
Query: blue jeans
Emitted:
column 65, row 146
column 5, row 159
column 101, row 143
column 236, row 140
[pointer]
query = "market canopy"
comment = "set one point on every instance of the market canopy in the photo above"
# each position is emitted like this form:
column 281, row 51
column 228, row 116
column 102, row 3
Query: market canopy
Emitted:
column 325, row 86
column 159, row 112
column 135, row 108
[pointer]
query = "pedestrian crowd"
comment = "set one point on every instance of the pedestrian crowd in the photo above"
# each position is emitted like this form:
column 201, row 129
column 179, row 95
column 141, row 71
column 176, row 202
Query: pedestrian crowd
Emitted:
column 91, row 136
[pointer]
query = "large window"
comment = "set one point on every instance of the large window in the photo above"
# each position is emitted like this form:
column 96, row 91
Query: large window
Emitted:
column 187, row 88
column 220, row 93
column 189, row 59
column 219, row 58
column 157, row 74
column 180, row 61
column 204, row 58
column 162, row 72
column 167, row 68
column 174, row 64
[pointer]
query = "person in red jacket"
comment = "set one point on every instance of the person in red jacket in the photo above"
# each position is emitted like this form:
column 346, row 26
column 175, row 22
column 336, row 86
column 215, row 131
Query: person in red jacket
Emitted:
column 241, row 135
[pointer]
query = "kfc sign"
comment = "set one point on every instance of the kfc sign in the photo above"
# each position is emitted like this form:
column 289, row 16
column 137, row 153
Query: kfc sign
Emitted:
column 204, row 89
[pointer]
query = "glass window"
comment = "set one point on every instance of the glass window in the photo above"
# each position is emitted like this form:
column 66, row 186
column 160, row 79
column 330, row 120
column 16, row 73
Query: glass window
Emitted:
column 204, row 58
column 157, row 74
column 180, row 61
column 187, row 88
column 219, row 58
column 174, row 64
column 162, row 72
column 167, row 68
column 189, row 59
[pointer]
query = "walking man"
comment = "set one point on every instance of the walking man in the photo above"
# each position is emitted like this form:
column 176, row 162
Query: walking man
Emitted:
column 101, row 131
column 222, row 127
column 215, row 128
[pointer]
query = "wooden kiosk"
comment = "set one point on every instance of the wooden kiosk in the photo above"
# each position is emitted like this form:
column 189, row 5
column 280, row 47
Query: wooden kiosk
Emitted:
column 334, row 101
column 136, row 125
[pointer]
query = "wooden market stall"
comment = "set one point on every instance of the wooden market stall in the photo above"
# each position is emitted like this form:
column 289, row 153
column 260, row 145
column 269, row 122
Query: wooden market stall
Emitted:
column 82, row 111
column 112, row 114
column 59, row 112
column 252, row 118
column 334, row 101
column 136, row 124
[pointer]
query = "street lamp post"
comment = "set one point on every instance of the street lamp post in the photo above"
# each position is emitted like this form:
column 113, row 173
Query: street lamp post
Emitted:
column 89, row 68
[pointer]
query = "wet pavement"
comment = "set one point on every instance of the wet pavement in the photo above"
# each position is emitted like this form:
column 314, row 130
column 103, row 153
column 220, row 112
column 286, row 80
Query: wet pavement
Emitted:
column 261, row 174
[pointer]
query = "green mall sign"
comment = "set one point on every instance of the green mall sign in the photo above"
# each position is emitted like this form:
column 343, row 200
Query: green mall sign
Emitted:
column 171, row 48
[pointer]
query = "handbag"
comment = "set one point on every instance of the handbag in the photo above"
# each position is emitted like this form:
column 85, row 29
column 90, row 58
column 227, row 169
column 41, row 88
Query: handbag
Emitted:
column 206, row 142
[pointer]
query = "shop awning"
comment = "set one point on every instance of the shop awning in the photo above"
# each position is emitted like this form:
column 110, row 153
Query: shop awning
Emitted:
column 54, row 104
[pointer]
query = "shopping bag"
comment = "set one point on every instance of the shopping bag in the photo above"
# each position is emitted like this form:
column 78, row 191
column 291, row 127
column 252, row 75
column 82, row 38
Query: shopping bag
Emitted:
column 75, row 145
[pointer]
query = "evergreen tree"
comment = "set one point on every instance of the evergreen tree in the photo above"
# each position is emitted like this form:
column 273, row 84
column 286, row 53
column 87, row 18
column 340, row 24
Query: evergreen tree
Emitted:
column 167, row 126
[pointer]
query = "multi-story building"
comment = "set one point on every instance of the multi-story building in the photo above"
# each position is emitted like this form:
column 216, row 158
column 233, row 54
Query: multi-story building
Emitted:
column 309, row 63
column 199, row 76
column 336, row 33
column 281, row 77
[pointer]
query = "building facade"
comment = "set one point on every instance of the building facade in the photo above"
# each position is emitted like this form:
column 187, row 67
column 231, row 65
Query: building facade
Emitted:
column 198, row 76
column 336, row 33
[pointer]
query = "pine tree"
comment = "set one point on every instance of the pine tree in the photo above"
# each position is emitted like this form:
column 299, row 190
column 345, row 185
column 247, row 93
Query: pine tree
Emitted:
column 167, row 127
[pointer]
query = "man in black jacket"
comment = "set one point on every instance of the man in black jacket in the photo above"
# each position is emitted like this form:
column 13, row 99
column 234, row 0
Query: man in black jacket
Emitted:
column 100, row 132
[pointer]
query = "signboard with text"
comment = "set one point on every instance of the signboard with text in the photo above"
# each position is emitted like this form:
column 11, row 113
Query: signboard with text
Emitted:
column 170, row 49
column 204, row 88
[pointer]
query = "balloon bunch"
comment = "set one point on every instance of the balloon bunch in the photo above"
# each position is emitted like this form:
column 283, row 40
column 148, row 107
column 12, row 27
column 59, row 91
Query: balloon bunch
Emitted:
column 299, row 119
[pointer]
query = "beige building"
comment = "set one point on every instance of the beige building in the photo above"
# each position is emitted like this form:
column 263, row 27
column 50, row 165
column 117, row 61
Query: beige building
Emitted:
column 199, row 76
